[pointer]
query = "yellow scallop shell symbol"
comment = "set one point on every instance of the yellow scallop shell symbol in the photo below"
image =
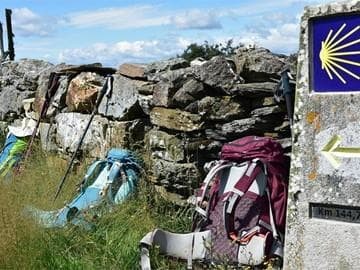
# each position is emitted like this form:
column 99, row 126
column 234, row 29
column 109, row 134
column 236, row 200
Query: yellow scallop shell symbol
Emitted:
column 332, row 53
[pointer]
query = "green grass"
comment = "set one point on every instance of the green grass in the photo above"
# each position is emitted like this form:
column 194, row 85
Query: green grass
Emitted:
column 113, row 244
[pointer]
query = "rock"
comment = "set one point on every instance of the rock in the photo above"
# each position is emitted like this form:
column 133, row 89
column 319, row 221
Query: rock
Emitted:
column 217, row 73
column 24, row 74
column 253, row 90
column 47, row 134
column 198, row 61
column 145, row 103
column 222, row 108
column 95, row 67
column 238, row 128
column 170, row 64
column 168, row 83
column 70, row 127
column 262, row 102
column 125, row 134
column 165, row 146
column 13, row 107
column 58, row 101
column 286, row 144
column 18, row 81
column 175, row 119
column 3, row 130
column 163, row 93
column 28, row 105
column 256, row 125
column 146, row 89
column 134, row 71
column 180, row 178
column 83, row 91
column 266, row 111
column 258, row 64
column 123, row 104
column 191, row 90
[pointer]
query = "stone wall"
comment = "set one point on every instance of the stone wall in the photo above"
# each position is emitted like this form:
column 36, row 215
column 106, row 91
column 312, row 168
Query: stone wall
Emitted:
column 177, row 113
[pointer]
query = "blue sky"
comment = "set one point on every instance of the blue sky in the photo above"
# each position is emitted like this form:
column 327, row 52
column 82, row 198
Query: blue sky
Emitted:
column 113, row 32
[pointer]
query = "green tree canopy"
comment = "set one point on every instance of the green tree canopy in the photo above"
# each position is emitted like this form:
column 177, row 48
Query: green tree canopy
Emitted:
column 208, row 51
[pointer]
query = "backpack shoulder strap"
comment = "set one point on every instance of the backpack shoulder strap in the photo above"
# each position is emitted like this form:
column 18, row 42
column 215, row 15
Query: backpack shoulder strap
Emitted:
column 242, row 186
column 206, row 183
column 90, row 171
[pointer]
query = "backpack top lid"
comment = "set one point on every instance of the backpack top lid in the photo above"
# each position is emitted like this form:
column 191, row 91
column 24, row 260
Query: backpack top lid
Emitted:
column 250, row 147
column 118, row 154
column 123, row 156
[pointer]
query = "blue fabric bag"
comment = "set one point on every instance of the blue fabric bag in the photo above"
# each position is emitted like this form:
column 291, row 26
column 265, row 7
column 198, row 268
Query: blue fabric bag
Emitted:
column 108, row 181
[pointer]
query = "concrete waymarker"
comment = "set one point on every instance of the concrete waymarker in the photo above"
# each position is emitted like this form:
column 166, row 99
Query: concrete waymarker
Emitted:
column 323, row 220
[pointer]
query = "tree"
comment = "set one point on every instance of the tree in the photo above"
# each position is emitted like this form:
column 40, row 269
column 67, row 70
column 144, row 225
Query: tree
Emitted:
column 208, row 51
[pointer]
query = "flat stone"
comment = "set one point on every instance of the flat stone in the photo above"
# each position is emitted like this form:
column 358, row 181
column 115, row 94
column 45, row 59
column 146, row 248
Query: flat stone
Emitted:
column 146, row 103
column 167, row 84
column 179, row 178
column 170, row 64
column 165, row 146
column 262, row 102
column 175, row 119
column 258, row 64
column 254, row 90
column 83, row 91
column 125, row 134
column 71, row 126
column 222, row 108
column 94, row 67
column 146, row 88
column 217, row 73
column 135, row 71
column 47, row 134
column 123, row 104
column 13, row 107
column 163, row 93
column 266, row 111
column 191, row 91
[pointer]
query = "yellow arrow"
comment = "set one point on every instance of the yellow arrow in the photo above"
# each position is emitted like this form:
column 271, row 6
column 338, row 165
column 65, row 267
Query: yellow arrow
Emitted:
column 332, row 151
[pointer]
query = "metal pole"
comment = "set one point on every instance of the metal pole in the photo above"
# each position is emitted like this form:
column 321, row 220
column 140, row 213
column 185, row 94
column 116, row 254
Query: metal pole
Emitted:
column 106, row 88
column 10, row 35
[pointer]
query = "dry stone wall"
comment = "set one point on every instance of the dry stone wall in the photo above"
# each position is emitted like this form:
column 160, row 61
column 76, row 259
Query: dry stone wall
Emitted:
column 177, row 113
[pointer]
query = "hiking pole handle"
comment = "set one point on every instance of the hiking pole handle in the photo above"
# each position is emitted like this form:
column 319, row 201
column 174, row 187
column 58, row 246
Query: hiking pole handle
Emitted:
column 105, row 89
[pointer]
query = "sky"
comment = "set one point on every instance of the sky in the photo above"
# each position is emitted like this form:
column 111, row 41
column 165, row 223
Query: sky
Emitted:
column 140, row 31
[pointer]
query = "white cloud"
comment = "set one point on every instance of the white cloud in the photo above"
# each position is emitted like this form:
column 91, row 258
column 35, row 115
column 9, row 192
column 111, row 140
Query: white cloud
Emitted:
column 281, row 39
column 27, row 23
column 143, row 16
column 125, row 51
column 196, row 19
column 118, row 18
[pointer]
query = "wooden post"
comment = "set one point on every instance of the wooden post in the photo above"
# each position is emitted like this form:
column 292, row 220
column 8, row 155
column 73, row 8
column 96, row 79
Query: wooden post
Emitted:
column 10, row 35
column 2, row 56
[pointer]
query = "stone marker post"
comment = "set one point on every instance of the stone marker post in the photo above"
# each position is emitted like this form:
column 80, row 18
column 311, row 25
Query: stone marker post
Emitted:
column 323, row 220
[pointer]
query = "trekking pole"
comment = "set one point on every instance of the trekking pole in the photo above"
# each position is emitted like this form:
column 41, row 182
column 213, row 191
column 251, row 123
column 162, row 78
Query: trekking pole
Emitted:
column 285, row 77
column 106, row 90
column 53, row 85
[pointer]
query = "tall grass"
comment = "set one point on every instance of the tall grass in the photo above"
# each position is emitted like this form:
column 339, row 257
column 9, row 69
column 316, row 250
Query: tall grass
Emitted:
column 113, row 244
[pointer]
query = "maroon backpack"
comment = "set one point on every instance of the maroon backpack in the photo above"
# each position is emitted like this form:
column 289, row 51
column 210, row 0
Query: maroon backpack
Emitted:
column 240, row 209
column 243, row 201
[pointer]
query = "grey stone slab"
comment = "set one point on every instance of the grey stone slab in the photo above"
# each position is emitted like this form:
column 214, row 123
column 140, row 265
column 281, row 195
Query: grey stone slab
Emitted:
column 323, row 243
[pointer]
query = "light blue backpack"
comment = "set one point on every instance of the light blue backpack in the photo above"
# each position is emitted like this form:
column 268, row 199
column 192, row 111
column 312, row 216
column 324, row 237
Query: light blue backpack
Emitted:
column 107, row 182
